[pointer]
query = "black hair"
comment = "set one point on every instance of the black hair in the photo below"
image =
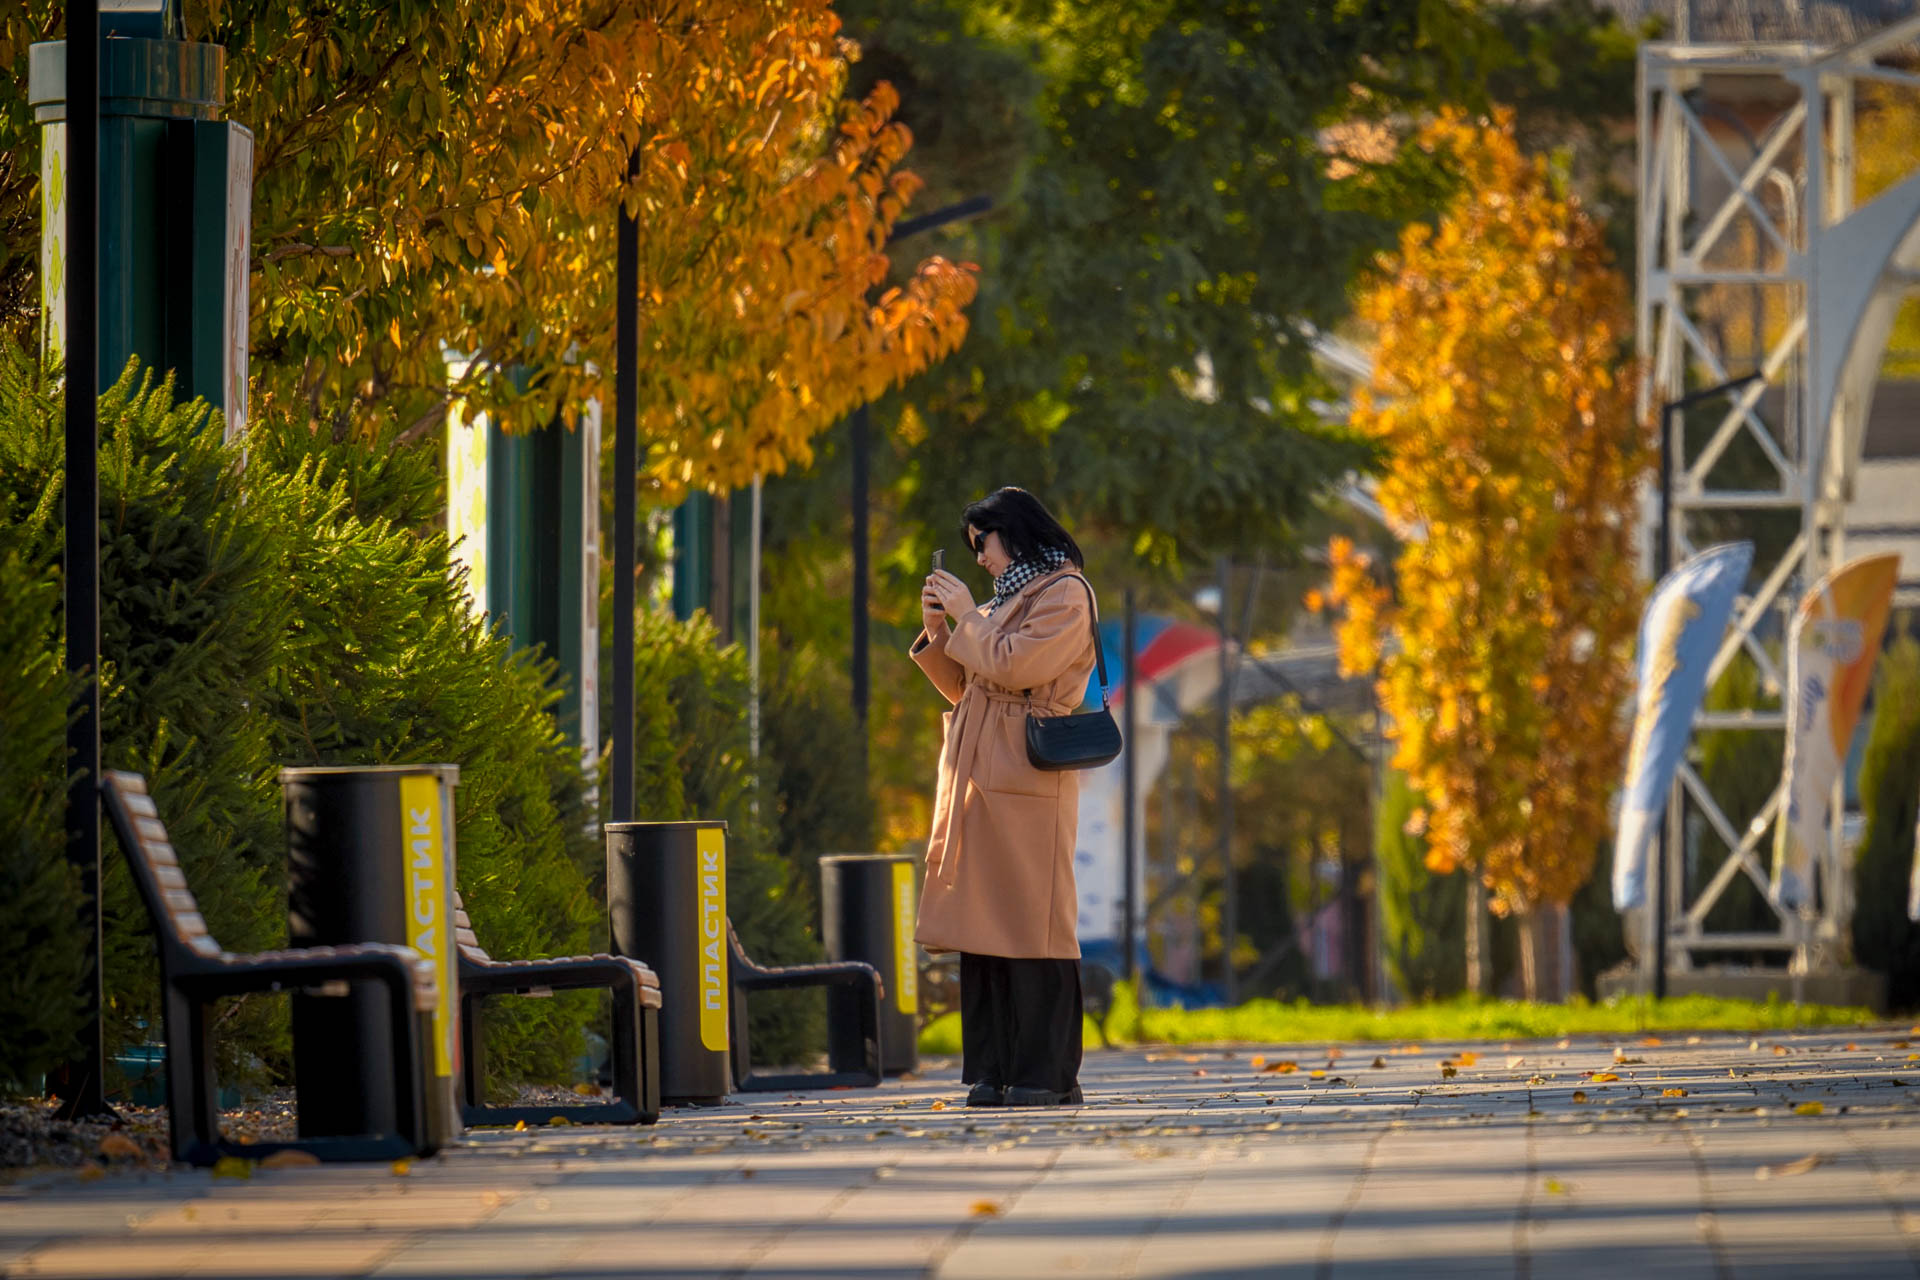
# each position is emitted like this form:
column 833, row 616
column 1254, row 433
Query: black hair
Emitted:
column 1025, row 527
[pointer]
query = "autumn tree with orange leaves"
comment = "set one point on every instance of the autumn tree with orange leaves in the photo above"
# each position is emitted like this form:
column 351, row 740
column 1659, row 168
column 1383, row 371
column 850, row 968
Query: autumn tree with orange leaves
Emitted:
column 435, row 177
column 1502, row 400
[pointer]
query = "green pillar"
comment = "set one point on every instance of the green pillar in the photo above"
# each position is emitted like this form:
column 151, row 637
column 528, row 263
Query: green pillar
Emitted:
column 524, row 513
column 693, row 530
column 176, row 195
column 712, row 550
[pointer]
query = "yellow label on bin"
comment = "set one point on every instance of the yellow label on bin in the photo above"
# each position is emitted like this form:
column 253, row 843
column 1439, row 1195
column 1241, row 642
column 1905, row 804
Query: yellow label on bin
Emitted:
column 428, row 895
column 906, row 968
column 711, row 845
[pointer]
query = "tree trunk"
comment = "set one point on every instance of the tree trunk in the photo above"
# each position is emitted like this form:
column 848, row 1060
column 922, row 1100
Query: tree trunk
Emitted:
column 1546, row 952
column 1530, row 954
column 1569, row 966
column 1479, row 948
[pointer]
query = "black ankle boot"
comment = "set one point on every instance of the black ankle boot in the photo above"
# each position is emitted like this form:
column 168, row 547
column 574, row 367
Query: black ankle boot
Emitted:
column 986, row 1095
column 1026, row 1095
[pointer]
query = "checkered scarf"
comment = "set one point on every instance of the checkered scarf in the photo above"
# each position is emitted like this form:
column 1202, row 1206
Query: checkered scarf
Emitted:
column 1021, row 572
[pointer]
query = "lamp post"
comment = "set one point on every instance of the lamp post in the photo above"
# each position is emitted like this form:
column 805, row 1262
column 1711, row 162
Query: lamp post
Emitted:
column 84, row 1092
column 1671, row 421
column 859, row 431
column 626, row 467
column 1129, row 791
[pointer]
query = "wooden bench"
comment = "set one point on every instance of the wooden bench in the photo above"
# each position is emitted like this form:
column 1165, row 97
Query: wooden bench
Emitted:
column 853, row 1021
column 195, row 971
column 635, row 1050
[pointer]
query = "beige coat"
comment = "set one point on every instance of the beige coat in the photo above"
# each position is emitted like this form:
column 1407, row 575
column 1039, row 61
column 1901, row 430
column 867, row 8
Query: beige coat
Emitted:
column 1000, row 859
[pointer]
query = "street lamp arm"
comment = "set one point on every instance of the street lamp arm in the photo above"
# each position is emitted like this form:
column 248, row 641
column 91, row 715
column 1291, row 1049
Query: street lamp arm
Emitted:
column 972, row 208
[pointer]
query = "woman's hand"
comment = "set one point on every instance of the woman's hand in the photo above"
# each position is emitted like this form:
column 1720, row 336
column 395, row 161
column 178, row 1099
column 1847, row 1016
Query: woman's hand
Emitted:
column 950, row 593
column 931, row 615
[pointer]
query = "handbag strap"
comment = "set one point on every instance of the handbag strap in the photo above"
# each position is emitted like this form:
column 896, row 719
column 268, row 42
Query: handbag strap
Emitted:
column 1099, row 650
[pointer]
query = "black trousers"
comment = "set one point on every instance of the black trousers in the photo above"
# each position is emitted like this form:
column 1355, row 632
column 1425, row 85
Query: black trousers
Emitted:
column 1020, row 1021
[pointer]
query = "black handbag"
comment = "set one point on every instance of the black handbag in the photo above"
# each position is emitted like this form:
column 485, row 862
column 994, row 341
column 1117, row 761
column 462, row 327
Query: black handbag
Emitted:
column 1083, row 740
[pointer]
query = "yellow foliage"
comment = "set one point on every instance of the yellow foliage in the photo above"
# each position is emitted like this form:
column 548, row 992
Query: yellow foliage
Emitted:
column 1502, row 399
column 447, row 177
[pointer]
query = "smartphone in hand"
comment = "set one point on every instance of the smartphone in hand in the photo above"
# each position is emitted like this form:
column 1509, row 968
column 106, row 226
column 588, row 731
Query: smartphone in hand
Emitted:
column 939, row 563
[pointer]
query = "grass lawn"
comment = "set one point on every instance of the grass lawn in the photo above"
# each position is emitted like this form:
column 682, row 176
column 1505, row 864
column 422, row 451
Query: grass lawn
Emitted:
column 1272, row 1022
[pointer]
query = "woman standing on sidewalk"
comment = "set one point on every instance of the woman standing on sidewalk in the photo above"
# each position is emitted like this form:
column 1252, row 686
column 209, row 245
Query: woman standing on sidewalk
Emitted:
column 999, row 884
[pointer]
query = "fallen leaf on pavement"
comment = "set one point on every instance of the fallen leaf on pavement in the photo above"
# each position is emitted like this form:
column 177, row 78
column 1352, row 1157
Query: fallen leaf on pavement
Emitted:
column 1448, row 1071
column 290, row 1159
column 232, row 1167
column 401, row 1168
column 1673, row 1093
column 1284, row 1066
column 985, row 1209
column 1603, row 1077
column 1378, row 1063
column 1793, row 1168
column 1579, row 1095
column 1555, row 1187
column 1650, row 1042
column 1779, row 1051
column 940, row 1105
column 1467, row 1059
column 1809, row 1109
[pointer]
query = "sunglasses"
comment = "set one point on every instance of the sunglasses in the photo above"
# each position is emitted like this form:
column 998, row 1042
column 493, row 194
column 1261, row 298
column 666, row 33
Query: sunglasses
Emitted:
column 979, row 544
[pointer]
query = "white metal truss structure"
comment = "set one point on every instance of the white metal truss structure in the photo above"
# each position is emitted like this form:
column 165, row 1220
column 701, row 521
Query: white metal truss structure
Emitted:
column 1747, row 204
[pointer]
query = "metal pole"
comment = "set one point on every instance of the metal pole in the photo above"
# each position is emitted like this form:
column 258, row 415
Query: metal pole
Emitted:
column 1663, row 564
column 626, row 478
column 1130, row 784
column 1229, row 915
column 858, row 428
column 83, row 1084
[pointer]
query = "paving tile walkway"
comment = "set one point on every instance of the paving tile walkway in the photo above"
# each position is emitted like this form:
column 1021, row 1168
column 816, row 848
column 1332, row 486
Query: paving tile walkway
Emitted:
column 1713, row 1156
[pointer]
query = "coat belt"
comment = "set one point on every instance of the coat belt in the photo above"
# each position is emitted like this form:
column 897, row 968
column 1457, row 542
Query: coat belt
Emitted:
column 970, row 722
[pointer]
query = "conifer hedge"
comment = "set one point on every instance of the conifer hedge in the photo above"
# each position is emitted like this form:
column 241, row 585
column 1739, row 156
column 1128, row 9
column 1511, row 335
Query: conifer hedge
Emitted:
column 296, row 607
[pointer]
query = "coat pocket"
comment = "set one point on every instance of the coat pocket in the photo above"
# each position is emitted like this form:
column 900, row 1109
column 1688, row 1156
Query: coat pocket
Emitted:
column 1007, row 767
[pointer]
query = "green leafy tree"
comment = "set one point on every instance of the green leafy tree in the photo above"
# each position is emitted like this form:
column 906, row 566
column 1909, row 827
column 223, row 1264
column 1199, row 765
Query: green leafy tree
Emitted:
column 1883, row 937
column 1422, row 912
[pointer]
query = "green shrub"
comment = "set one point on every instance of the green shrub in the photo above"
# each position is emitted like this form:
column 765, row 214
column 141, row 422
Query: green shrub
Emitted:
column 1883, row 937
column 692, row 759
column 1422, row 914
column 294, row 610
column 384, row 665
column 42, row 950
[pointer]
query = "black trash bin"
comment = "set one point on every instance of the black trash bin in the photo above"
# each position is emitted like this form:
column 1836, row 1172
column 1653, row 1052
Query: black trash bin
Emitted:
column 667, row 905
column 370, row 858
column 868, row 906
